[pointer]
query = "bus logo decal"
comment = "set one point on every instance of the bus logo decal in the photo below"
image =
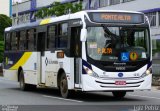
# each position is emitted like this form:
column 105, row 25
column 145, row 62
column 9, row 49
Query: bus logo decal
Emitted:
column 120, row 74
column 50, row 61
column 46, row 61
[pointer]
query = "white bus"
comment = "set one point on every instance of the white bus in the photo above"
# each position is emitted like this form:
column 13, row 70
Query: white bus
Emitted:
column 96, row 50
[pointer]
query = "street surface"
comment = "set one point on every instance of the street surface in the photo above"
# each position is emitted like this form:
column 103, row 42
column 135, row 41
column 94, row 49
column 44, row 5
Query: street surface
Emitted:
column 50, row 100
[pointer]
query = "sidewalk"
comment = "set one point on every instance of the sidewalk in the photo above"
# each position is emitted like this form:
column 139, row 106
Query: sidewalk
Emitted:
column 155, row 87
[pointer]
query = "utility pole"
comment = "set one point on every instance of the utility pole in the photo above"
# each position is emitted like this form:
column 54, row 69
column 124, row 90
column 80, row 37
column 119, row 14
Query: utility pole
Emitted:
column 16, row 13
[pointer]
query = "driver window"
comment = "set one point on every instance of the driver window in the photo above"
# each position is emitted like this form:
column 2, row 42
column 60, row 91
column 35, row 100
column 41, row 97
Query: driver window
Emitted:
column 139, row 36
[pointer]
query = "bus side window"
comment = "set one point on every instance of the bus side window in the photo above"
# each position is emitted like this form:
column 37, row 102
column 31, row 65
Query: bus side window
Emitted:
column 62, row 41
column 14, row 41
column 51, row 33
column 7, row 42
column 22, row 40
column 31, row 40
column 75, row 42
column 18, row 39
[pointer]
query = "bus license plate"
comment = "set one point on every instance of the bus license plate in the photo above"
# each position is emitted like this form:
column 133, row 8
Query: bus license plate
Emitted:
column 120, row 82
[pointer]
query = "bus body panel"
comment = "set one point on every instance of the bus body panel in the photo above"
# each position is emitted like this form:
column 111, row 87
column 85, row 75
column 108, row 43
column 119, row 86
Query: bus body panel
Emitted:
column 110, row 75
column 30, row 69
column 107, row 80
column 27, row 61
column 51, row 66
column 10, row 74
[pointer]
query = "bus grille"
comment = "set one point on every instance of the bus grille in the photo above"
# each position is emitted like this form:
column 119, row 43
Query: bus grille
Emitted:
column 112, row 84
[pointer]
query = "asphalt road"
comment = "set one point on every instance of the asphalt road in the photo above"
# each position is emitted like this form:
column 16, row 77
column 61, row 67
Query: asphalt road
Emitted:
column 13, row 99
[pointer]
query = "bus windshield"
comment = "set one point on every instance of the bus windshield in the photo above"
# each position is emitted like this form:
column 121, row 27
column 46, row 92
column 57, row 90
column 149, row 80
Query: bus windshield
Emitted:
column 118, row 44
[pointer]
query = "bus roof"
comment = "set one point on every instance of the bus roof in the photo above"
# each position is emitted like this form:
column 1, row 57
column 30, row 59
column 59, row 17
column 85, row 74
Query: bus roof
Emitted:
column 62, row 18
column 122, row 11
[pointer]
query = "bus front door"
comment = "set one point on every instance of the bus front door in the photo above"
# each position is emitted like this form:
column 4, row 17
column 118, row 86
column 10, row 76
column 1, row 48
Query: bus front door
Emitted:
column 76, row 50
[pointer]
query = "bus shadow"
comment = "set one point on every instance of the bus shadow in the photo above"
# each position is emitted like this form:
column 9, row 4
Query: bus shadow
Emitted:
column 106, row 97
column 83, row 96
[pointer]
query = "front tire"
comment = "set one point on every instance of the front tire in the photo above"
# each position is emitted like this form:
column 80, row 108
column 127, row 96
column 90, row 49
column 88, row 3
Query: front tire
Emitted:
column 119, row 94
column 64, row 86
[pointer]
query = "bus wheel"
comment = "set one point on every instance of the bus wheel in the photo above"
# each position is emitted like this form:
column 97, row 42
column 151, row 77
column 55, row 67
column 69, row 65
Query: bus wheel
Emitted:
column 64, row 86
column 22, row 84
column 119, row 94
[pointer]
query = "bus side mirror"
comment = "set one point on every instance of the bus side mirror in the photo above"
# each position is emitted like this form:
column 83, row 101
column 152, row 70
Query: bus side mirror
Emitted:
column 83, row 35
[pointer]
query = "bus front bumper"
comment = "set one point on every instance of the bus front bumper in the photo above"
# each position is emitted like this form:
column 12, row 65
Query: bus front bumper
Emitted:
column 90, row 83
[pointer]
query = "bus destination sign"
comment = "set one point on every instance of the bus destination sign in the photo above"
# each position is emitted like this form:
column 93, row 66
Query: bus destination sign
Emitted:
column 116, row 17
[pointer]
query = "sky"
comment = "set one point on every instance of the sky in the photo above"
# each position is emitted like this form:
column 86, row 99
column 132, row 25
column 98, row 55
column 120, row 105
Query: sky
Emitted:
column 4, row 7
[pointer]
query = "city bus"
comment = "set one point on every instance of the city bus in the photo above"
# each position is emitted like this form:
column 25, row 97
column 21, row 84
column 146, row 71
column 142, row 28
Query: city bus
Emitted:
column 88, row 51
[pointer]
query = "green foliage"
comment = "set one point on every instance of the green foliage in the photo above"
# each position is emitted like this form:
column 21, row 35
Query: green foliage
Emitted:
column 1, row 46
column 43, row 12
column 5, row 21
column 58, row 9
column 76, row 8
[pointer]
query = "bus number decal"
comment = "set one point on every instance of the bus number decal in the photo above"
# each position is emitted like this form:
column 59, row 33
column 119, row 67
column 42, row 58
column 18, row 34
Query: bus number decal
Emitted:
column 120, row 68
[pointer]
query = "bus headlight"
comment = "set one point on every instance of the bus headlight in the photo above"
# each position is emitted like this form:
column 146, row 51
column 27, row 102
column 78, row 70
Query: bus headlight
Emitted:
column 90, row 72
column 147, row 72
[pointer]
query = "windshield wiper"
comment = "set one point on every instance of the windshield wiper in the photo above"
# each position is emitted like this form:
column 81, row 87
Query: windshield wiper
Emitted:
column 109, row 34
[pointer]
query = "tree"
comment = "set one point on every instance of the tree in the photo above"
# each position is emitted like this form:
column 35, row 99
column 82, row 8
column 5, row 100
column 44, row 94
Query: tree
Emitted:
column 5, row 21
column 58, row 9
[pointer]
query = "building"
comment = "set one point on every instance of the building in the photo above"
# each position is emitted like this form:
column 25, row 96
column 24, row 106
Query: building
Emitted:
column 5, row 7
column 27, row 8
